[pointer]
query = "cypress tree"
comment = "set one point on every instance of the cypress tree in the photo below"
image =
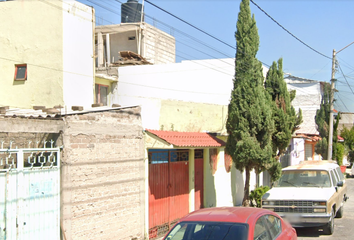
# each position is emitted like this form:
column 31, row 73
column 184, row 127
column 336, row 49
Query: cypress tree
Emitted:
column 285, row 119
column 322, row 121
column 249, row 123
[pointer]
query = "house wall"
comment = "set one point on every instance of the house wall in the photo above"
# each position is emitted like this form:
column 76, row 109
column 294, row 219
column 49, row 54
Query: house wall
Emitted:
column 297, row 150
column 78, row 54
column 30, row 133
column 205, row 84
column 120, row 42
column 346, row 120
column 158, row 46
column 42, row 35
column 308, row 98
column 103, row 175
column 31, row 32
column 181, row 116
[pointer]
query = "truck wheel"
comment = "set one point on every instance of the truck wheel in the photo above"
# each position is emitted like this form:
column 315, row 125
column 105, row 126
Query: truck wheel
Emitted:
column 340, row 212
column 329, row 227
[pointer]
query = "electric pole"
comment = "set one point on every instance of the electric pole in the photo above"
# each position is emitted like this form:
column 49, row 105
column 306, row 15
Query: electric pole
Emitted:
column 330, row 137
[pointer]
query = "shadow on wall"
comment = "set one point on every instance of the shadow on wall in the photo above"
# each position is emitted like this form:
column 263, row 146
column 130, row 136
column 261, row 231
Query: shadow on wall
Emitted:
column 237, row 186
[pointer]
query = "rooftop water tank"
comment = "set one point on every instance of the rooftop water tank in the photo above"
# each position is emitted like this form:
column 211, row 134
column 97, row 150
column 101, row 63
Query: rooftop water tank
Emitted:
column 131, row 12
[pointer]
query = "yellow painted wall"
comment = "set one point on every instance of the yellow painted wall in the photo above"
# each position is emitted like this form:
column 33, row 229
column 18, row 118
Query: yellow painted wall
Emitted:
column 31, row 32
column 192, row 117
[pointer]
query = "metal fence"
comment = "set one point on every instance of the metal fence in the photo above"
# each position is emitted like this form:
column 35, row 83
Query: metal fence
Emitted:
column 29, row 193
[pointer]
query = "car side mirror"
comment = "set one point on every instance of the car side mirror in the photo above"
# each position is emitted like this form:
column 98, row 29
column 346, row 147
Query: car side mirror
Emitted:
column 340, row 184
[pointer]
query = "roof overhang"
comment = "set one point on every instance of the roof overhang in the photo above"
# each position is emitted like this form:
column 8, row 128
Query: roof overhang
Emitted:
column 172, row 139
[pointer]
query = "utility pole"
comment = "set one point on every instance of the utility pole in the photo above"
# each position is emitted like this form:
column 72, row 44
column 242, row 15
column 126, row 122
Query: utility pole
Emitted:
column 330, row 137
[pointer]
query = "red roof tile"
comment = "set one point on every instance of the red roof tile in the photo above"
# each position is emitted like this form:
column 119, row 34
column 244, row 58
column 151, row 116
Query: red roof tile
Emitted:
column 188, row 139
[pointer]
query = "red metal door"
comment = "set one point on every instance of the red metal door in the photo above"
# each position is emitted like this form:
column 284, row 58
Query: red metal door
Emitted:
column 198, row 184
column 168, row 190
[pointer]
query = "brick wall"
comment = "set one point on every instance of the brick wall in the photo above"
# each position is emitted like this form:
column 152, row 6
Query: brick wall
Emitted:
column 103, row 175
column 30, row 133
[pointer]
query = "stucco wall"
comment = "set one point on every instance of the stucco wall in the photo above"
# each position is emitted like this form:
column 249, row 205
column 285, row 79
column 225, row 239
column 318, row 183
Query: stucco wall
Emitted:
column 103, row 176
column 31, row 32
column 78, row 54
column 55, row 42
column 182, row 116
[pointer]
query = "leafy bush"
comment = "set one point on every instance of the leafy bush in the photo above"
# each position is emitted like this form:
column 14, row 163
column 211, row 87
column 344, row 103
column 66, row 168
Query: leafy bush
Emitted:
column 256, row 195
column 340, row 154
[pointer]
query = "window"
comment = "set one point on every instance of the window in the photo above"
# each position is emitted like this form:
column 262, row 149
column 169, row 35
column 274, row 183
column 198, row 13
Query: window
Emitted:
column 209, row 230
column 20, row 72
column 131, row 38
column 274, row 225
column 260, row 230
column 101, row 94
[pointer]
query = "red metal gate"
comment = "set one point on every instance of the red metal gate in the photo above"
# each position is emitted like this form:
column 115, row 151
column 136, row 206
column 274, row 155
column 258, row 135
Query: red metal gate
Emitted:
column 168, row 189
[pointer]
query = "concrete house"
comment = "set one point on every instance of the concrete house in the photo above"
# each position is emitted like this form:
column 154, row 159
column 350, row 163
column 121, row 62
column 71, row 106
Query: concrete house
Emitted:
column 308, row 97
column 47, row 54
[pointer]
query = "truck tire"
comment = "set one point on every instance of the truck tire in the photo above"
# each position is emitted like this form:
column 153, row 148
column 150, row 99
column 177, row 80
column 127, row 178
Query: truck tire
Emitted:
column 329, row 227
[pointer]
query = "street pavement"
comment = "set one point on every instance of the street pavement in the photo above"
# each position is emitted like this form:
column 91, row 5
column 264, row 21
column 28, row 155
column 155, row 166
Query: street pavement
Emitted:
column 343, row 227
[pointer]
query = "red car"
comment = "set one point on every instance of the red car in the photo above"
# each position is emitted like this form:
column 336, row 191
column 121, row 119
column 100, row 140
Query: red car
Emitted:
column 226, row 223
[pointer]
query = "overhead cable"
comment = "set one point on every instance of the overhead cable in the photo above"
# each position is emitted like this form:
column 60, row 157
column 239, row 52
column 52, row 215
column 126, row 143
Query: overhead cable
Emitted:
column 289, row 31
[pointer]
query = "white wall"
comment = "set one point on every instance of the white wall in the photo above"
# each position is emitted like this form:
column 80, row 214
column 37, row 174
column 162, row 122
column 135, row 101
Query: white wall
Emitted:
column 78, row 54
column 297, row 150
column 308, row 98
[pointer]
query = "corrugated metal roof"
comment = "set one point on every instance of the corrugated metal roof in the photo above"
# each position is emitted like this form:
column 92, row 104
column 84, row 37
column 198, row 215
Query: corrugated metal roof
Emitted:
column 188, row 139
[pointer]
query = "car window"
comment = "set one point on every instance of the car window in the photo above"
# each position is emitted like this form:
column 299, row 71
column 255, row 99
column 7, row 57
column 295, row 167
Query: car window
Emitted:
column 340, row 174
column 334, row 178
column 273, row 224
column 260, row 230
column 208, row 230
column 304, row 178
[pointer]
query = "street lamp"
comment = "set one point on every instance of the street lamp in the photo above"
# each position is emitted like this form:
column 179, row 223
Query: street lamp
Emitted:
column 330, row 135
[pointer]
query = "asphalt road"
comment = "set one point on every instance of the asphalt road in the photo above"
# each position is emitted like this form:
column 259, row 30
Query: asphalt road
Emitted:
column 343, row 227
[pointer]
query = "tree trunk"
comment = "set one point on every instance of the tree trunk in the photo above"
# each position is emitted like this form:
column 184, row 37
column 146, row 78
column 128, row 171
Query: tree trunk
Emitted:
column 246, row 192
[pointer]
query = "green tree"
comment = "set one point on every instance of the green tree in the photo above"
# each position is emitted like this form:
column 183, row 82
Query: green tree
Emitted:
column 286, row 121
column 249, row 123
column 322, row 121
column 348, row 135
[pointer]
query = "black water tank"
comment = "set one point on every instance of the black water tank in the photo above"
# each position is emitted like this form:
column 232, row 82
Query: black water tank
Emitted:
column 131, row 11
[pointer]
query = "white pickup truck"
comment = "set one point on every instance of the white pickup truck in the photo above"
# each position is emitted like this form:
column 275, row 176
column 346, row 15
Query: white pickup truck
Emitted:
column 310, row 194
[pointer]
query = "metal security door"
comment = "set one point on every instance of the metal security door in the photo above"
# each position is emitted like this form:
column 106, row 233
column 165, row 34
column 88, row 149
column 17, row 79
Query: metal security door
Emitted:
column 30, row 193
column 168, row 189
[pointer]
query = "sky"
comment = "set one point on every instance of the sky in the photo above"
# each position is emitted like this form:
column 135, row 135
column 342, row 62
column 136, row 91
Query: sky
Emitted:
column 322, row 25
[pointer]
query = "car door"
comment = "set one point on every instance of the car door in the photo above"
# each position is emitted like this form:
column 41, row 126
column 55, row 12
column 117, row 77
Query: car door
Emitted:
column 336, row 196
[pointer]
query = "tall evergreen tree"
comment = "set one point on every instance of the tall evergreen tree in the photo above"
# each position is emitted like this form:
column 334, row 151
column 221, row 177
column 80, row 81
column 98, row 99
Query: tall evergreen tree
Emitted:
column 249, row 123
column 286, row 120
column 322, row 121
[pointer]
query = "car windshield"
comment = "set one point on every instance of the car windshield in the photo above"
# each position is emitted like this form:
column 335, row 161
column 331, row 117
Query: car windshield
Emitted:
column 304, row 178
column 208, row 230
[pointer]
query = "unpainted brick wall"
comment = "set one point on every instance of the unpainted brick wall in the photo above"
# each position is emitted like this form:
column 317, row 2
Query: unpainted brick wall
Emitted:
column 30, row 133
column 103, row 175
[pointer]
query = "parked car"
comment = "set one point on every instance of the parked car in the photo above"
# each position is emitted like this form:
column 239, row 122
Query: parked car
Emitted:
column 309, row 194
column 226, row 223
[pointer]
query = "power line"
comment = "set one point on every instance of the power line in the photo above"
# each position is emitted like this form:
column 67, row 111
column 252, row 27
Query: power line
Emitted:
column 190, row 25
column 288, row 30
column 345, row 78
